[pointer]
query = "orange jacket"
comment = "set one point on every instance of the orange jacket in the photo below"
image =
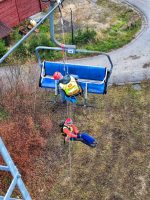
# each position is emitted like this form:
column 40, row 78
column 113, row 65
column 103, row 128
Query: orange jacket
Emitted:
column 71, row 131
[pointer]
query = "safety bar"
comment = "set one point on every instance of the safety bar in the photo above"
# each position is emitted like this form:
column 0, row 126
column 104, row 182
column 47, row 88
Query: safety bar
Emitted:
column 72, row 51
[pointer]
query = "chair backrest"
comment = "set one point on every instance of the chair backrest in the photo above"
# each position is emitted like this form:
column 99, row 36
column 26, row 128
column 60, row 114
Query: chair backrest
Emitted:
column 83, row 71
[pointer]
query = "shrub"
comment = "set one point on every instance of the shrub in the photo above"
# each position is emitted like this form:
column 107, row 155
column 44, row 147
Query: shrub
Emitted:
column 33, row 43
column 38, row 40
column 15, row 36
column 85, row 36
column 44, row 28
column 44, row 39
column 21, row 52
column 3, row 48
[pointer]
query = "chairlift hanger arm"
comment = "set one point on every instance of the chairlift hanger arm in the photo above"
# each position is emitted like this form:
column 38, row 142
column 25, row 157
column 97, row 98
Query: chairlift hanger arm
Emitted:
column 52, row 29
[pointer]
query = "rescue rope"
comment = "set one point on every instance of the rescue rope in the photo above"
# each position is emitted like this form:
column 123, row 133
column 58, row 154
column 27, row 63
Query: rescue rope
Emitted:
column 69, row 114
column 64, row 41
column 69, row 105
column 70, row 165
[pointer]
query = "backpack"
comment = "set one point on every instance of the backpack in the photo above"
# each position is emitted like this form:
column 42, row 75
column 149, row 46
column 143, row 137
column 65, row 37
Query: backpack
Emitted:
column 61, row 125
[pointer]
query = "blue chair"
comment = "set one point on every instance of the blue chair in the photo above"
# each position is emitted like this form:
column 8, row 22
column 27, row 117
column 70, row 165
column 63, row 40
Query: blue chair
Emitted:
column 92, row 79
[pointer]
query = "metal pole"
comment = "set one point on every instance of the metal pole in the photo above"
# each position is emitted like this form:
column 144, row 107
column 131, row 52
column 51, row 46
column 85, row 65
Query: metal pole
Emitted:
column 14, row 172
column 72, row 31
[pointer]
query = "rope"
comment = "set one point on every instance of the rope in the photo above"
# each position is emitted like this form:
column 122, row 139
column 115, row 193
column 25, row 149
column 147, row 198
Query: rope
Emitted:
column 69, row 105
column 70, row 165
column 69, row 114
column 63, row 46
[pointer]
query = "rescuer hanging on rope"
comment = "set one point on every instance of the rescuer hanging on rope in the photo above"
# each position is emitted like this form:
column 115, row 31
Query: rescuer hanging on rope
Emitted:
column 70, row 132
column 68, row 87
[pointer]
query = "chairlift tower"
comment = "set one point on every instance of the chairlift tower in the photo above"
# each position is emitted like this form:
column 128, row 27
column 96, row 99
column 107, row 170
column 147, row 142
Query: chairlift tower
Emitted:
column 17, row 181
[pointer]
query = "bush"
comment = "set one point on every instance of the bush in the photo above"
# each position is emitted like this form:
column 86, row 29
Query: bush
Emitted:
column 49, row 54
column 38, row 40
column 3, row 48
column 15, row 36
column 33, row 43
column 44, row 28
column 85, row 36
column 43, row 40
column 21, row 52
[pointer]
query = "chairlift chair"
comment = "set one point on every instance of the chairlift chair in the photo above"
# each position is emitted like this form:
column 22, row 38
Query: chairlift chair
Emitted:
column 93, row 79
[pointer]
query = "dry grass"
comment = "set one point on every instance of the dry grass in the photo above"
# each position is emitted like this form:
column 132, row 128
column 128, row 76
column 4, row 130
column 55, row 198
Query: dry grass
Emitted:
column 118, row 169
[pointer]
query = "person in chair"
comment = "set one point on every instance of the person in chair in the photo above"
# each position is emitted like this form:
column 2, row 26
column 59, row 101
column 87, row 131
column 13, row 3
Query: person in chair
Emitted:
column 68, row 87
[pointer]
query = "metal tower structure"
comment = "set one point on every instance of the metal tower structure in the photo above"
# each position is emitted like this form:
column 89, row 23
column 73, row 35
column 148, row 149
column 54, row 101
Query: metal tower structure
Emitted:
column 17, row 181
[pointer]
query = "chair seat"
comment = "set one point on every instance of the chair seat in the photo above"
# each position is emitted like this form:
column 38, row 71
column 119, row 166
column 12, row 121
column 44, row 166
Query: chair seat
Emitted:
column 98, row 88
column 47, row 82
column 94, row 87
column 94, row 76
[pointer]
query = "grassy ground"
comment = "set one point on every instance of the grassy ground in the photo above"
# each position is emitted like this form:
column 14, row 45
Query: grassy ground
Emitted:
column 123, row 24
column 119, row 24
column 118, row 169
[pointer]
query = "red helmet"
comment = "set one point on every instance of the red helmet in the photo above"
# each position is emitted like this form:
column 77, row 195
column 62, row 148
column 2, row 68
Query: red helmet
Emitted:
column 57, row 76
column 68, row 121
